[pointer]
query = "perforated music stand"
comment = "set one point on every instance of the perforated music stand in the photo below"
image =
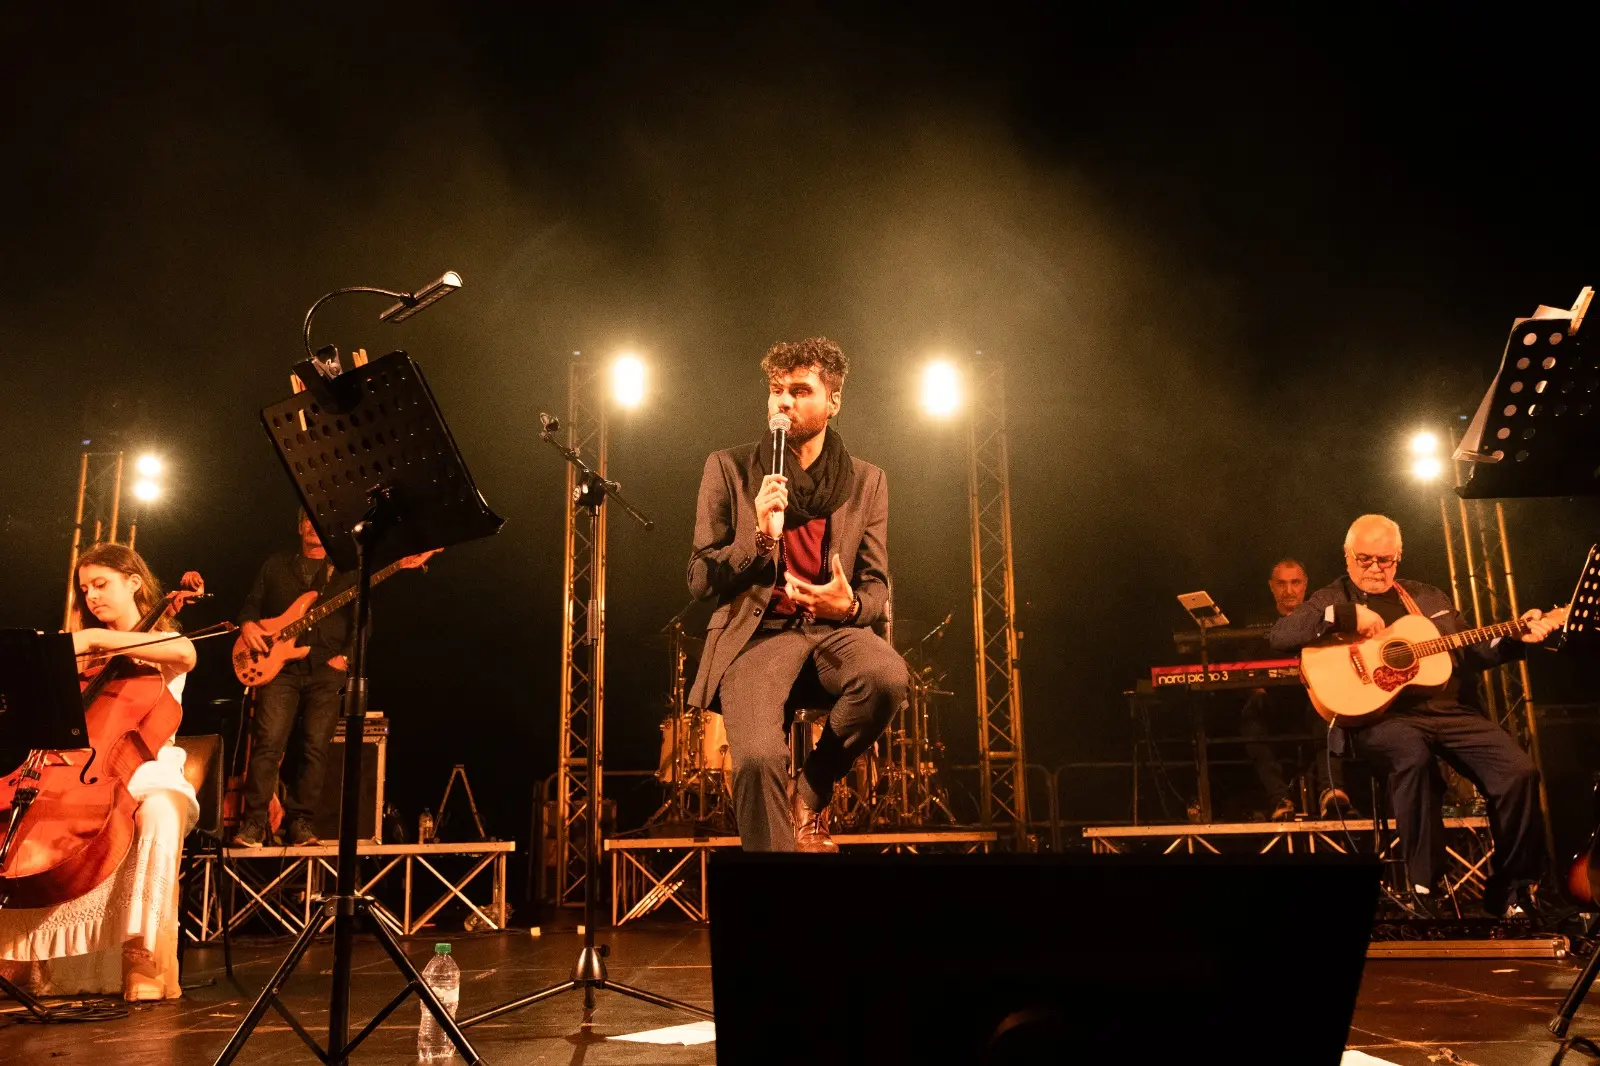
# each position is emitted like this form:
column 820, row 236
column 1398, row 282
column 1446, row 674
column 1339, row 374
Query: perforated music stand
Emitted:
column 1537, row 430
column 40, row 710
column 380, row 476
column 1583, row 612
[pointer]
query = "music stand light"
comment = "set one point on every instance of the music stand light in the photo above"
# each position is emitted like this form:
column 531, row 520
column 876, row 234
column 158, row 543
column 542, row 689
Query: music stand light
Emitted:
column 380, row 476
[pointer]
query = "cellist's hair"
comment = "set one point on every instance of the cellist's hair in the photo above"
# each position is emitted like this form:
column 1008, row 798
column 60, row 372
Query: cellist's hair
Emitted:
column 124, row 560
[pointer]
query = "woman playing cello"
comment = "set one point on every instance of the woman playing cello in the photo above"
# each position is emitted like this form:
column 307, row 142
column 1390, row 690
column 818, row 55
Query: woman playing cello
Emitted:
column 121, row 936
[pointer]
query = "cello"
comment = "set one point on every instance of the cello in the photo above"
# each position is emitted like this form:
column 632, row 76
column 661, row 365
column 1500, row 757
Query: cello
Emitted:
column 68, row 816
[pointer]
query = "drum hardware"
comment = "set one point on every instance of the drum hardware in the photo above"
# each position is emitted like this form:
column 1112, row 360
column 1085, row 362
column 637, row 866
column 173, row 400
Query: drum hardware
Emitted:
column 695, row 765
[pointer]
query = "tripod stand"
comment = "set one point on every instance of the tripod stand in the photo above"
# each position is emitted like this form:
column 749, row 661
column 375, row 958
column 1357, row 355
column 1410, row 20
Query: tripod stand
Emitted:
column 412, row 492
column 589, row 972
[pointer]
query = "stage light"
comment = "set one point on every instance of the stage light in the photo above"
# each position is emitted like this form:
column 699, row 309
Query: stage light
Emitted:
column 1424, row 443
column 941, row 389
column 627, row 381
column 148, row 466
column 1427, row 468
column 146, row 490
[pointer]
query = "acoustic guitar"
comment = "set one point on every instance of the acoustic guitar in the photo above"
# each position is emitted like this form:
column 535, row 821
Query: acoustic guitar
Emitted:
column 1353, row 679
column 254, row 668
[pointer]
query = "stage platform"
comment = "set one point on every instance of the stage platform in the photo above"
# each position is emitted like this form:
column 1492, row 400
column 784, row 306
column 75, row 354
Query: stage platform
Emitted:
column 1488, row 1012
column 1468, row 847
column 279, row 885
column 650, row 872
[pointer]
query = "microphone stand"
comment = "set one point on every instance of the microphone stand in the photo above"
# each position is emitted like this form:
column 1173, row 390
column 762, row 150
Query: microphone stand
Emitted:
column 589, row 972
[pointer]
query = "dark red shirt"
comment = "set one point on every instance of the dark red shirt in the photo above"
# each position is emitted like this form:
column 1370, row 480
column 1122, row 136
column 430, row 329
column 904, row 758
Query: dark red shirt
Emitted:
column 805, row 556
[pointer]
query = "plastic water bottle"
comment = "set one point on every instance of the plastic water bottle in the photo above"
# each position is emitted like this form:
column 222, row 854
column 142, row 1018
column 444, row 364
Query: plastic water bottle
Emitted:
column 444, row 977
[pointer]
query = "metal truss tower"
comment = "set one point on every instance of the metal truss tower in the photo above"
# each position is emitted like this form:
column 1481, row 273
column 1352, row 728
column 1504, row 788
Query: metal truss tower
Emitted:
column 582, row 696
column 1480, row 547
column 1002, row 759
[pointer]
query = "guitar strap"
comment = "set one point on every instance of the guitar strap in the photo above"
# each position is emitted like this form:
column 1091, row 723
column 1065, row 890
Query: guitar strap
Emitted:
column 1405, row 598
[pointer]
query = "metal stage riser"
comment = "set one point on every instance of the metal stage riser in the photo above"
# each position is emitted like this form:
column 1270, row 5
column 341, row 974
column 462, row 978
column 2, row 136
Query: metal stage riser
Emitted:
column 285, row 898
column 647, row 873
column 1468, row 846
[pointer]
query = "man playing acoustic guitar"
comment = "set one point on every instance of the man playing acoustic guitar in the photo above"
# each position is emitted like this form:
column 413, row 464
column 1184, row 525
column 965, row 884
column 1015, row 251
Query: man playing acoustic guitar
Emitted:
column 1447, row 722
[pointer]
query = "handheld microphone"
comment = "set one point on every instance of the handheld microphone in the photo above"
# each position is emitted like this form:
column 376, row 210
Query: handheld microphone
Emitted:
column 779, row 424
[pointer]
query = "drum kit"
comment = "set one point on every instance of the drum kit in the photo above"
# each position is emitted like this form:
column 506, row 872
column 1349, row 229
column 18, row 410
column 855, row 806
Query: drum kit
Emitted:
column 898, row 782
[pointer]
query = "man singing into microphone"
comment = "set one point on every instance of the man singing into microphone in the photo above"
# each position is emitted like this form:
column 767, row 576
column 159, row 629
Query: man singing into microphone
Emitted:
column 798, row 561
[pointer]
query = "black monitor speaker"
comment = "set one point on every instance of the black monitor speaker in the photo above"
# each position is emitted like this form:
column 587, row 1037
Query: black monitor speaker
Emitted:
column 1032, row 959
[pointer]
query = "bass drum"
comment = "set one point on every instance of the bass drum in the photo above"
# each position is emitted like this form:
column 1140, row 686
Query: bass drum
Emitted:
column 677, row 738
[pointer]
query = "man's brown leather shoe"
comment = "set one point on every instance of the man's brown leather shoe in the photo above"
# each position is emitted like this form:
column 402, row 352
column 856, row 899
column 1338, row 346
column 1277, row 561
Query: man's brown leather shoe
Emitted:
column 811, row 829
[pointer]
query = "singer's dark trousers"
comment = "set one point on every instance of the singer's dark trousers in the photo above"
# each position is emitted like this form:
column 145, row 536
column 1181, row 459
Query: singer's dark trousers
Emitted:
column 857, row 670
column 1405, row 744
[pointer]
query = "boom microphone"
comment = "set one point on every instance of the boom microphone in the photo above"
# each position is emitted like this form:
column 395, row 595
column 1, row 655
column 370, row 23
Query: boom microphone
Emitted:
column 779, row 424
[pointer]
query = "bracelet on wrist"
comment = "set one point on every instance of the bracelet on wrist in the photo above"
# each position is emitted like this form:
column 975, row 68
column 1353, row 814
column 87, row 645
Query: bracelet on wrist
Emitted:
column 765, row 545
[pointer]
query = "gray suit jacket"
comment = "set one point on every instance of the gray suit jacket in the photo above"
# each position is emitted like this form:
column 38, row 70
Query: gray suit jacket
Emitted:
column 726, row 567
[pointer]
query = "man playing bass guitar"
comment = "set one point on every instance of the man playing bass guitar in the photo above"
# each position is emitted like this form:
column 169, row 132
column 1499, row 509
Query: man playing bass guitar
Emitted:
column 1420, row 725
column 305, row 690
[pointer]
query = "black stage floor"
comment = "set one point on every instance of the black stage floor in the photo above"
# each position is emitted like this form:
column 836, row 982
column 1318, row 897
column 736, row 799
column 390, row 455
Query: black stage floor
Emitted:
column 1488, row 1012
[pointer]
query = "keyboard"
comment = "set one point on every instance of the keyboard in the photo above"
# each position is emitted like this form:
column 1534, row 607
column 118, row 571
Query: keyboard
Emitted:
column 1251, row 673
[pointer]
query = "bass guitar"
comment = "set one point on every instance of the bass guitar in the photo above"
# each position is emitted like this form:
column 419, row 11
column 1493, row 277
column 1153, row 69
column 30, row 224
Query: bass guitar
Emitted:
column 256, row 668
column 1353, row 679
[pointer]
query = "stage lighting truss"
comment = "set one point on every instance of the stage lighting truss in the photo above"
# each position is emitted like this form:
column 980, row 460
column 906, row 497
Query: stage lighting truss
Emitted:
column 1002, row 758
column 98, row 512
column 582, row 696
column 1478, row 554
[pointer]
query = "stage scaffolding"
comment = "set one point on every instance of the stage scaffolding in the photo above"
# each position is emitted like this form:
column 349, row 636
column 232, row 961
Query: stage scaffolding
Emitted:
column 1002, row 758
column 1481, row 580
column 582, row 696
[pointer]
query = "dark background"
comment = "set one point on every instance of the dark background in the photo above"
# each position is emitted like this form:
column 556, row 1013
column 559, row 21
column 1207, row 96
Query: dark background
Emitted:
column 1231, row 261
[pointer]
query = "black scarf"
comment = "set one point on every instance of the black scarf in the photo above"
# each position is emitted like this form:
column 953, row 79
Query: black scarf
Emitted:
column 813, row 493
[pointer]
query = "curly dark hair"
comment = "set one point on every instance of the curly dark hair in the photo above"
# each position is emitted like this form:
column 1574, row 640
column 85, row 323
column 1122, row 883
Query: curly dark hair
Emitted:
column 786, row 357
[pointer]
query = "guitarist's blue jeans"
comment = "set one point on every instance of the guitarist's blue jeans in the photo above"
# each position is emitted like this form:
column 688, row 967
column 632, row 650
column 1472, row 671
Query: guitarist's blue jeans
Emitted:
column 1405, row 744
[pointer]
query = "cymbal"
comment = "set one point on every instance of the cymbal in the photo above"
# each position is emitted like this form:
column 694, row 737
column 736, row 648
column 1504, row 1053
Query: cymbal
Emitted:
column 692, row 646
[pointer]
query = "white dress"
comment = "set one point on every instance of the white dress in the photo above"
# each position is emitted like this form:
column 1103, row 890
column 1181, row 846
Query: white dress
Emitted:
column 82, row 939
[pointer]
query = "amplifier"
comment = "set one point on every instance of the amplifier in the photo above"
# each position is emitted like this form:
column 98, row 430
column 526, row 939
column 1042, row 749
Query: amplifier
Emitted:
column 374, row 756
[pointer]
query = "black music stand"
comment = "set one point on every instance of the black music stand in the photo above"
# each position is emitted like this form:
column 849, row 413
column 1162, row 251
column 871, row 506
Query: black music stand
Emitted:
column 1207, row 616
column 40, row 710
column 380, row 476
column 1583, row 622
column 589, row 972
column 1583, row 611
column 1537, row 430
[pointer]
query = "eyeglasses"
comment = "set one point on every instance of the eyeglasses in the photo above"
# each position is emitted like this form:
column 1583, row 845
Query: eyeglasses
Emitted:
column 1384, row 562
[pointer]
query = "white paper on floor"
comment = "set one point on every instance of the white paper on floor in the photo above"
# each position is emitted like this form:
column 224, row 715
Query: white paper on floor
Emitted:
column 1361, row 1058
column 693, row 1033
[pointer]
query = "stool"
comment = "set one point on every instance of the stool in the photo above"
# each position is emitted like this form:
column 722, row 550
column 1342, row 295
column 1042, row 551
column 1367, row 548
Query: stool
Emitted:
column 800, row 736
column 808, row 704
